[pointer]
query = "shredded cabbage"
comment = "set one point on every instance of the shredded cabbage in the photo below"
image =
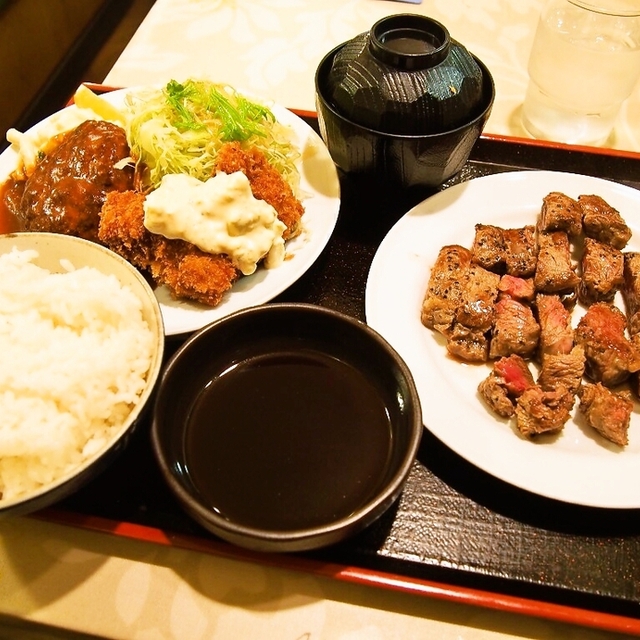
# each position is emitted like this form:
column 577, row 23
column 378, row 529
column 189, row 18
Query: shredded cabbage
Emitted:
column 180, row 128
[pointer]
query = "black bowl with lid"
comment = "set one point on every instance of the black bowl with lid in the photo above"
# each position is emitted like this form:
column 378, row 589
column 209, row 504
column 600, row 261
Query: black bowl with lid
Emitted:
column 405, row 76
column 286, row 427
column 404, row 102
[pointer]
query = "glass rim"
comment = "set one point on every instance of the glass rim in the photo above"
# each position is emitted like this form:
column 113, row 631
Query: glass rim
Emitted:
column 621, row 8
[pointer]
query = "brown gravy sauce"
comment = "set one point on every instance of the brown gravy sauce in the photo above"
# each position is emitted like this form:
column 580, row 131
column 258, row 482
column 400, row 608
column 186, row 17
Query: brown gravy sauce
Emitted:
column 9, row 223
column 288, row 441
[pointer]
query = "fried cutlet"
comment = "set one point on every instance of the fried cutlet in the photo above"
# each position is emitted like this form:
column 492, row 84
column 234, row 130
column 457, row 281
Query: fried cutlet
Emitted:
column 122, row 228
column 184, row 269
column 266, row 183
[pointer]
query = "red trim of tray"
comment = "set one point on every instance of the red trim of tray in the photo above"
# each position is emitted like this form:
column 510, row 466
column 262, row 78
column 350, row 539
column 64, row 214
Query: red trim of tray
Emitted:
column 357, row 575
column 549, row 144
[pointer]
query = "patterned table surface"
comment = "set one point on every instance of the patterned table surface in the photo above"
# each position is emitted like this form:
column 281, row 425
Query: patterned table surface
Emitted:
column 272, row 48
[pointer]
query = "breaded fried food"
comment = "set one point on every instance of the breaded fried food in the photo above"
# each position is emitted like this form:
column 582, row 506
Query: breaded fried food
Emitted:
column 122, row 229
column 184, row 269
column 191, row 273
column 266, row 183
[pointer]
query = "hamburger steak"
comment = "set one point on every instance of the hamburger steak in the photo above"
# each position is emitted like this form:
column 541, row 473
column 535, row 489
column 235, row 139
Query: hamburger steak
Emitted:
column 67, row 188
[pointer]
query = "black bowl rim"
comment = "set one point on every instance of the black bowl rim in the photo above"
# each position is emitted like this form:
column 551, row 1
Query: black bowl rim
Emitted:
column 405, row 136
column 412, row 60
column 288, row 539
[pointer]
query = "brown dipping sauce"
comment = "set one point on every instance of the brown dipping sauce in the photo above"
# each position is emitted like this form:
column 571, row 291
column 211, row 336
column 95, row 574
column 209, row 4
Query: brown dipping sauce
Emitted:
column 288, row 441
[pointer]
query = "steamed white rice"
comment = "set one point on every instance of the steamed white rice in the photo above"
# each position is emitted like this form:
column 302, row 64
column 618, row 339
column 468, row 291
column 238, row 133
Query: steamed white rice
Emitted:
column 74, row 354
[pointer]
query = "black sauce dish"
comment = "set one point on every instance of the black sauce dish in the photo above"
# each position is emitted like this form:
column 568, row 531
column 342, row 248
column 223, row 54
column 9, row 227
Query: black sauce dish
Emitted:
column 286, row 427
column 404, row 102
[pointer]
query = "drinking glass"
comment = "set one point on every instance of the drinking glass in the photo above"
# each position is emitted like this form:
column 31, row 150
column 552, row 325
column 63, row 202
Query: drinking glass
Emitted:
column 584, row 63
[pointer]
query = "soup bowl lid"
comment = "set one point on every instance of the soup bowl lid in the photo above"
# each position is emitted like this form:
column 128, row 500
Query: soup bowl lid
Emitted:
column 406, row 75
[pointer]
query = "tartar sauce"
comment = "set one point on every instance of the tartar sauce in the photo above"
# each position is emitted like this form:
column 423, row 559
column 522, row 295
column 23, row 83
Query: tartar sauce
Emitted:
column 220, row 215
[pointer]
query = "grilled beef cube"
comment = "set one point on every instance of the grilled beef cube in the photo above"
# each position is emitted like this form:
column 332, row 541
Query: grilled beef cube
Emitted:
column 631, row 290
column 444, row 290
column 560, row 213
column 634, row 378
column 496, row 396
column 489, row 247
column 608, row 412
column 521, row 289
column 507, row 381
column 539, row 411
column 515, row 330
column 611, row 357
column 556, row 332
column 602, row 272
column 554, row 271
column 521, row 251
column 474, row 316
column 478, row 298
column 468, row 344
column 460, row 303
column 514, row 373
column 511, row 251
column 564, row 369
column 631, row 295
column 602, row 222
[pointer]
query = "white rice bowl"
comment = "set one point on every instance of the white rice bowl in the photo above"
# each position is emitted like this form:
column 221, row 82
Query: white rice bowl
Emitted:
column 81, row 344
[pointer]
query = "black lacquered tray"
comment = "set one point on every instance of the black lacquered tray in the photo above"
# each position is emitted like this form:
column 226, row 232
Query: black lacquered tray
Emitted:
column 456, row 532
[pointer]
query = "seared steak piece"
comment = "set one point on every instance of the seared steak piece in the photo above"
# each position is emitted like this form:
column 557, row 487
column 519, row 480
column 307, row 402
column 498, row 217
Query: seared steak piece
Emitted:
column 496, row 396
column 468, row 339
column 631, row 290
column 507, row 381
column 539, row 411
column 556, row 332
column 511, row 251
column 67, row 189
column 489, row 247
column 602, row 272
column 517, row 288
column 514, row 373
column 608, row 412
column 602, row 222
column 634, row 378
column 611, row 357
column 468, row 344
column 478, row 299
column 554, row 271
column 564, row 369
column 560, row 213
column 515, row 329
column 521, row 251
column 460, row 303
column 444, row 291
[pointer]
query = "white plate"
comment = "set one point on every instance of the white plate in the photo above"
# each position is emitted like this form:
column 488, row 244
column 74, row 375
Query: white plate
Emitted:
column 320, row 191
column 577, row 466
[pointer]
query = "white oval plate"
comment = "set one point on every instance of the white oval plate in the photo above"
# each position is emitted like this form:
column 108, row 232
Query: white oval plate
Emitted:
column 578, row 466
column 320, row 191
